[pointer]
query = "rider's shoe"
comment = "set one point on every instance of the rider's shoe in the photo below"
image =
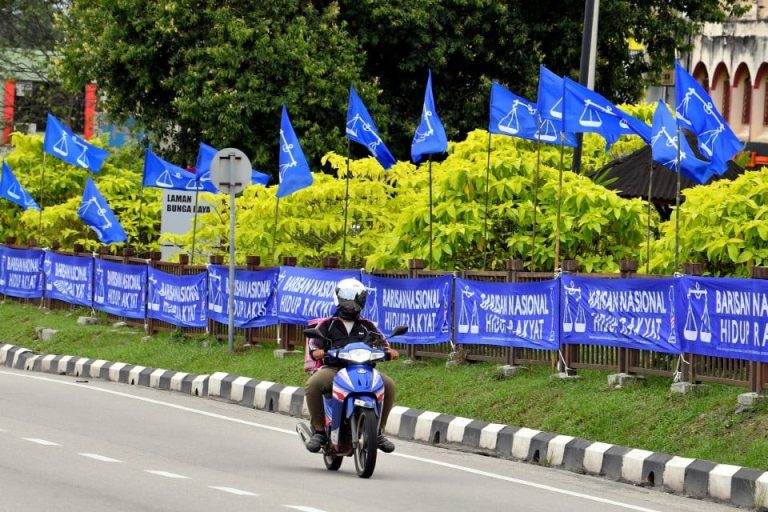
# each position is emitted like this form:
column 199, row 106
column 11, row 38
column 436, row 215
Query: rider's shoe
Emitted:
column 385, row 444
column 316, row 442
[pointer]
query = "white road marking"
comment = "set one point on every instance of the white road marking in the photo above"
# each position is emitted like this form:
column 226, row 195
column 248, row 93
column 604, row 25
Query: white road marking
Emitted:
column 166, row 474
column 101, row 458
column 304, row 509
column 293, row 433
column 40, row 441
column 232, row 490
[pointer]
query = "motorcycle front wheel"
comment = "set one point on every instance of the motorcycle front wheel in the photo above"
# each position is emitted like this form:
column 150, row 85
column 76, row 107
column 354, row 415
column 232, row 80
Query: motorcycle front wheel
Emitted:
column 366, row 445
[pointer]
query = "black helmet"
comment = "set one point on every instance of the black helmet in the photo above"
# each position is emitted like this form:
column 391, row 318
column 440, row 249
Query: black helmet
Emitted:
column 350, row 298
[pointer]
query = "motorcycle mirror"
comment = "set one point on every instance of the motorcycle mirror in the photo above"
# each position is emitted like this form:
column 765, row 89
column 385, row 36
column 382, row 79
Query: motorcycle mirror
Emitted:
column 313, row 332
column 399, row 330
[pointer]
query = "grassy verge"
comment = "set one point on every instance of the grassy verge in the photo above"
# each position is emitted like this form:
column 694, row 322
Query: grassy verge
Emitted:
column 647, row 416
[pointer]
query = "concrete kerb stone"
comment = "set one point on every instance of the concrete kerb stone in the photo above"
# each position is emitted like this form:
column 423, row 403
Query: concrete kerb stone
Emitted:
column 692, row 477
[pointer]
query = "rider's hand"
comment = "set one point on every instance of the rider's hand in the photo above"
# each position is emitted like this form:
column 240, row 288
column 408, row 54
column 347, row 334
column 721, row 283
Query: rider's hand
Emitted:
column 318, row 354
column 393, row 354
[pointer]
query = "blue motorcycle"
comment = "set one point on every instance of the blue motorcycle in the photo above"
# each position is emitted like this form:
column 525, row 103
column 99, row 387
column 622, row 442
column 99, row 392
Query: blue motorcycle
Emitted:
column 353, row 409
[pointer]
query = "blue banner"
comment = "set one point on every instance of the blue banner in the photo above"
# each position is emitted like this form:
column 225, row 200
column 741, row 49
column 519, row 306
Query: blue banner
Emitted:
column 62, row 143
column 120, row 289
column 178, row 300
column 627, row 313
column 508, row 314
column 307, row 293
column 724, row 317
column 424, row 305
column 21, row 272
column 69, row 278
column 515, row 116
column 255, row 296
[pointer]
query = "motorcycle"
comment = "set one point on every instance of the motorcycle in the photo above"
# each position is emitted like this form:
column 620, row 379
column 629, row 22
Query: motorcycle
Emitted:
column 353, row 409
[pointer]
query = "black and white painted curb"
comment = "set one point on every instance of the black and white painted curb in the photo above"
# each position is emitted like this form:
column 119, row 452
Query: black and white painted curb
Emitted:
column 690, row 477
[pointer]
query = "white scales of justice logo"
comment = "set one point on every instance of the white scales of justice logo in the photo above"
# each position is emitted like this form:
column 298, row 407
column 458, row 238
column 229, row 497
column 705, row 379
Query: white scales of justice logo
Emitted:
column 702, row 329
column 571, row 324
column 217, row 297
column 591, row 118
column 707, row 138
column 287, row 148
column 422, row 136
column 351, row 129
column 669, row 141
column 546, row 130
column 467, row 324
column 101, row 212
column 62, row 148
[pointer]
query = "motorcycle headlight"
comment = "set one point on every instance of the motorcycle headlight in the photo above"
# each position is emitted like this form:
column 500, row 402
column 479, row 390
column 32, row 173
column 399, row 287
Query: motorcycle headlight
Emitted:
column 357, row 355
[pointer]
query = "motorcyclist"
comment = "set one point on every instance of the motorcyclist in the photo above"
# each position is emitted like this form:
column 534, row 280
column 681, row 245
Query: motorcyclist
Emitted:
column 345, row 326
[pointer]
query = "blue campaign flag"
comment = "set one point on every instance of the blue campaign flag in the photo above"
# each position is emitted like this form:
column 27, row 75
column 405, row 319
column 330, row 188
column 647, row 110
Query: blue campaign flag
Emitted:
column 159, row 173
column 21, row 272
column 424, row 305
column 430, row 135
column 697, row 112
column 294, row 170
column 361, row 129
column 11, row 189
column 549, row 105
column 255, row 296
column 205, row 156
column 178, row 300
column 97, row 214
column 69, row 278
column 664, row 147
column 513, row 115
column 507, row 314
column 305, row 294
column 587, row 111
column 629, row 313
column 62, row 143
column 724, row 317
column 120, row 289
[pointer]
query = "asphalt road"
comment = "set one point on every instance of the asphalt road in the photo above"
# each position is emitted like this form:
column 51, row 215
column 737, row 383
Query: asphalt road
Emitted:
column 69, row 444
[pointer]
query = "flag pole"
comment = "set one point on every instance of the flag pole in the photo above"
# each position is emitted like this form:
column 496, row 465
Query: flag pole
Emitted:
column 648, row 232
column 559, row 202
column 346, row 211
column 141, row 209
column 42, row 191
column 536, row 198
column 274, row 231
column 194, row 225
column 430, row 212
column 485, row 216
column 677, row 205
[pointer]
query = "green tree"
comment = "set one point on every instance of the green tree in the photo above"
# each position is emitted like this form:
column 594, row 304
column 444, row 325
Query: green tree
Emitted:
column 193, row 70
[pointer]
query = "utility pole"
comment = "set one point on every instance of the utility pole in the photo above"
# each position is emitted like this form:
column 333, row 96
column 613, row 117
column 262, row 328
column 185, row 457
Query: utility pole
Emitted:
column 587, row 65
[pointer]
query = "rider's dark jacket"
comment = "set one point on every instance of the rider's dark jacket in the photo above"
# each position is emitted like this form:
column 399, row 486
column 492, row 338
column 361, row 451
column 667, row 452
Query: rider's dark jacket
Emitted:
column 334, row 329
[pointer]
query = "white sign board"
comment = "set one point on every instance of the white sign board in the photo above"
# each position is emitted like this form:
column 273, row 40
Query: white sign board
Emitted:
column 178, row 216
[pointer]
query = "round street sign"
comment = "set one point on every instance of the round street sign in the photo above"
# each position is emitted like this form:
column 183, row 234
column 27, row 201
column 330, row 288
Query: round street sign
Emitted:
column 230, row 170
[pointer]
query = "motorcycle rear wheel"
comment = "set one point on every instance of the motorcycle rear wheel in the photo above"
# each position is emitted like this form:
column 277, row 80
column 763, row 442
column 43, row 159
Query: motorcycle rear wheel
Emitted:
column 366, row 445
column 332, row 461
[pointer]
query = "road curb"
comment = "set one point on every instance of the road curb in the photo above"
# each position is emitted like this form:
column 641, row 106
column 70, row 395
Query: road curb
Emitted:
column 696, row 478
